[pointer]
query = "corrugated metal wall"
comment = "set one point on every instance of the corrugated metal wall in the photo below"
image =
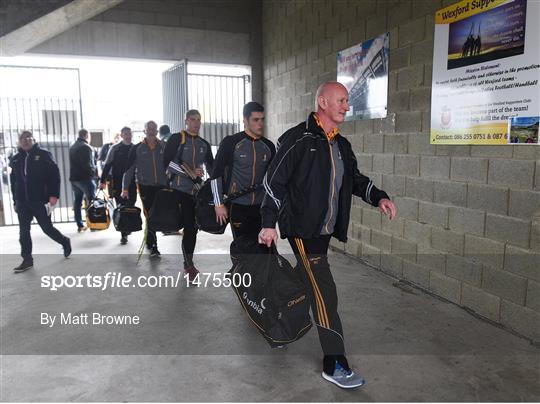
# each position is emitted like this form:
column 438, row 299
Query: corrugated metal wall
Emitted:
column 175, row 96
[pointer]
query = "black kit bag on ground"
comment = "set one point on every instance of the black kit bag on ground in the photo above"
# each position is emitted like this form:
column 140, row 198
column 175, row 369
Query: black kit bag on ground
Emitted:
column 165, row 212
column 127, row 219
column 276, row 301
column 205, row 214
column 97, row 213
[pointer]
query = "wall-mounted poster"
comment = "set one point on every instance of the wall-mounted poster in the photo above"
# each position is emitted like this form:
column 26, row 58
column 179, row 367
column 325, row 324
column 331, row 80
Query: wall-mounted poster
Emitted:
column 363, row 69
column 486, row 67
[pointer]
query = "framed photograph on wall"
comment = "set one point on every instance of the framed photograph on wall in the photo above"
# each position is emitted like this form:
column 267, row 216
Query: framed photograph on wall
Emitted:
column 363, row 70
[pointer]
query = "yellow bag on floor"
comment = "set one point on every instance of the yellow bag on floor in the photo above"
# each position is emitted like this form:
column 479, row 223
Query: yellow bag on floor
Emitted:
column 97, row 214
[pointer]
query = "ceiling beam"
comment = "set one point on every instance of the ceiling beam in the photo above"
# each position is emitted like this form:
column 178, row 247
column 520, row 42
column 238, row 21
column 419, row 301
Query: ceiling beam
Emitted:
column 51, row 25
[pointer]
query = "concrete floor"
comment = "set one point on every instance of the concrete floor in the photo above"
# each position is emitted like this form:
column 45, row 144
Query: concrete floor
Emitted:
column 195, row 344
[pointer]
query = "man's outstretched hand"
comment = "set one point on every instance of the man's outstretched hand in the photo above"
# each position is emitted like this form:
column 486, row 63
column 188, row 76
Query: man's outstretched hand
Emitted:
column 267, row 236
column 388, row 208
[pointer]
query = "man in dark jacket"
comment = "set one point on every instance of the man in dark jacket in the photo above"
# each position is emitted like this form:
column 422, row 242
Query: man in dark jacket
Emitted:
column 309, row 187
column 114, row 169
column 104, row 151
column 185, row 157
column 102, row 157
column 241, row 162
column 35, row 185
column 82, row 172
column 164, row 133
column 145, row 163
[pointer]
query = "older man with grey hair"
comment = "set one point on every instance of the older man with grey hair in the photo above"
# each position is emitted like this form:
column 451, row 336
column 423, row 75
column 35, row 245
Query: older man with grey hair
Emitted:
column 145, row 162
column 309, row 186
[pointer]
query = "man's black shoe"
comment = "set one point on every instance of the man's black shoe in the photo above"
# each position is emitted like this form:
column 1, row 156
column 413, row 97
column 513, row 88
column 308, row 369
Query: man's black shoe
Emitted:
column 154, row 252
column 123, row 240
column 25, row 265
column 67, row 247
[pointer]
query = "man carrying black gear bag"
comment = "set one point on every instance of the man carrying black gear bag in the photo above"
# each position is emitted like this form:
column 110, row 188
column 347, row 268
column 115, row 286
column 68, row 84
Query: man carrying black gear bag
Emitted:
column 145, row 161
column 185, row 155
column 116, row 164
column 309, row 187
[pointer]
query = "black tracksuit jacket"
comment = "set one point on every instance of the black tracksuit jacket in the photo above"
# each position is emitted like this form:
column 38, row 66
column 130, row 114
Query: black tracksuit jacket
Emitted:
column 117, row 159
column 241, row 161
column 297, row 184
column 193, row 151
column 34, row 175
column 82, row 165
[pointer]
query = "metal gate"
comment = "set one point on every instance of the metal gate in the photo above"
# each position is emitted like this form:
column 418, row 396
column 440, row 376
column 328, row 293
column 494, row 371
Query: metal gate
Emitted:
column 54, row 122
column 174, row 83
column 219, row 99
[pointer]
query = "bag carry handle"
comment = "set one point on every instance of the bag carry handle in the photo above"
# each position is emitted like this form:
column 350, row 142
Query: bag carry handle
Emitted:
column 108, row 201
column 127, row 205
column 242, row 192
column 197, row 181
column 273, row 248
column 97, row 194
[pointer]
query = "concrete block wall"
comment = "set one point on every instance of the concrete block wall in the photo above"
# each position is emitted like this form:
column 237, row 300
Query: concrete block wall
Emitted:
column 466, row 228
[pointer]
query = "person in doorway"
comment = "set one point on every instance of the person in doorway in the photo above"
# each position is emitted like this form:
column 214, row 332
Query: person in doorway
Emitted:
column 101, row 159
column 116, row 165
column 309, row 187
column 82, row 175
column 105, row 149
column 187, row 155
column 35, row 186
column 241, row 162
column 145, row 160
column 164, row 132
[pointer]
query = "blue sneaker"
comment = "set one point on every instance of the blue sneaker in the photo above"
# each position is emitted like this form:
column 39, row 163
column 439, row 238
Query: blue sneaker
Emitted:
column 346, row 379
